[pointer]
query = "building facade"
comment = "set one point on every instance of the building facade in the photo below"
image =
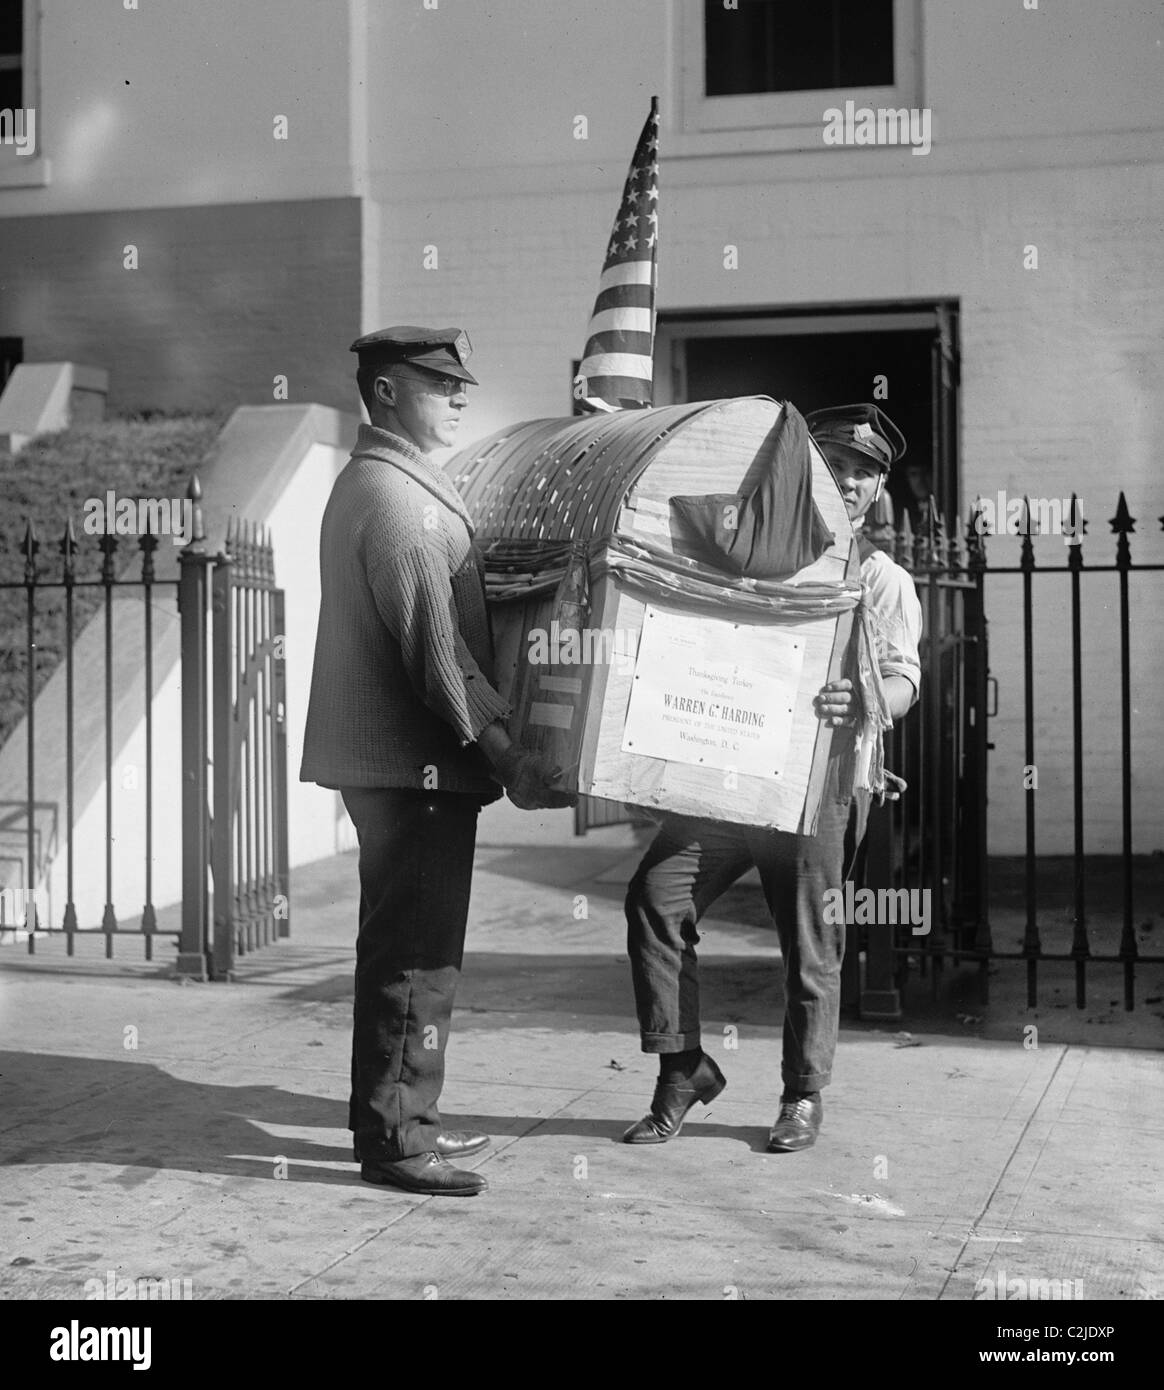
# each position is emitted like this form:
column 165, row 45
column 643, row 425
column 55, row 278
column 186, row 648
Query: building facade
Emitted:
column 995, row 279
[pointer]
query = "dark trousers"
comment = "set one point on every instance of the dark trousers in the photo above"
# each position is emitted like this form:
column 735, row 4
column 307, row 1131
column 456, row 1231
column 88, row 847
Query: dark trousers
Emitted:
column 689, row 864
column 416, row 863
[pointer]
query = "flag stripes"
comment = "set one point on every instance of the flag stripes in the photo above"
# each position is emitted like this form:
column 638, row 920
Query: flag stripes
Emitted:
column 618, row 363
column 625, row 297
column 624, row 364
column 624, row 318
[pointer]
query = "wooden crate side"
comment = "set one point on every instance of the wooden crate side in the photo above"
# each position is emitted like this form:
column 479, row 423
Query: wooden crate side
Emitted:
column 820, row 758
column 691, row 790
column 604, row 608
column 511, row 623
column 549, row 700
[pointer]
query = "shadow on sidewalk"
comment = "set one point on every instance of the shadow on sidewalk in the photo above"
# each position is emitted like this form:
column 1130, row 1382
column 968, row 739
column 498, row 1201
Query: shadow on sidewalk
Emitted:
column 135, row 1116
column 526, row 1126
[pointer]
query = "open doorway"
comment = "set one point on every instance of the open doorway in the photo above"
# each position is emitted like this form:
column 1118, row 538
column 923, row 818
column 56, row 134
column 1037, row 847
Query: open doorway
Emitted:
column 904, row 357
column 11, row 356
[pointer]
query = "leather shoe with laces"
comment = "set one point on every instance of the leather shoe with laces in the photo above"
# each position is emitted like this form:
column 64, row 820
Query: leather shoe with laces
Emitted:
column 797, row 1124
column 426, row 1173
column 671, row 1102
column 451, row 1143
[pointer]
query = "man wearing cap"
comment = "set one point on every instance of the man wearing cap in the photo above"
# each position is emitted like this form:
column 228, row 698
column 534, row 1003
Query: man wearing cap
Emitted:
column 692, row 862
column 403, row 719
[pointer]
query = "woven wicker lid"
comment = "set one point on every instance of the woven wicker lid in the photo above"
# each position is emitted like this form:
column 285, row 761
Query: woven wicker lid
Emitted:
column 563, row 479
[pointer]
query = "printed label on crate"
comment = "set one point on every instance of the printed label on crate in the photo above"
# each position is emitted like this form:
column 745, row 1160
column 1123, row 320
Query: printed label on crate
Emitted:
column 714, row 693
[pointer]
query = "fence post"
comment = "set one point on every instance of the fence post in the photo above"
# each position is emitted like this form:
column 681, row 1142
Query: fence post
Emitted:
column 193, row 563
column 30, row 547
column 279, row 754
column 1123, row 524
column 226, row 775
column 978, row 749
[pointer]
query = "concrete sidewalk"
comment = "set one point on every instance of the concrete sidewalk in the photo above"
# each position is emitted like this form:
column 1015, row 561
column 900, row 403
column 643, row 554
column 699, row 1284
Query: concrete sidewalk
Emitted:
column 215, row 1150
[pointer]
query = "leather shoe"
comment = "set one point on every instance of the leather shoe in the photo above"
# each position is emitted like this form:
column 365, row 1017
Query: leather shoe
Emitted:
column 450, row 1143
column 797, row 1124
column 671, row 1102
column 427, row 1173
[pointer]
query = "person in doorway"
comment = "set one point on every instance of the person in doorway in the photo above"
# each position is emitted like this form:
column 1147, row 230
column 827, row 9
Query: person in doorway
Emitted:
column 692, row 862
column 403, row 719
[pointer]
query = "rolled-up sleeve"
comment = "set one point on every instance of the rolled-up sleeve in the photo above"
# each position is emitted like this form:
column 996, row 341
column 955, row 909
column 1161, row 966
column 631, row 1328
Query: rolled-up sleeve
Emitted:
column 897, row 620
column 415, row 599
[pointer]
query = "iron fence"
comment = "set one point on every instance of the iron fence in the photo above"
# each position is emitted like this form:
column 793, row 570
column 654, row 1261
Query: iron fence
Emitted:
column 935, row 839
column 234, row 852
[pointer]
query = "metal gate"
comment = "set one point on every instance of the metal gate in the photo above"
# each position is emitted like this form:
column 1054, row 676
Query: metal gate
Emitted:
column 935, row 838
column 245, row 903
column 233, row 765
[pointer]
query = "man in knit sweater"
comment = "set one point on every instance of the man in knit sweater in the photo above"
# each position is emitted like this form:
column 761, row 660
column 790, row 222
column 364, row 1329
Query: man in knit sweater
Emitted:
column 403, row 719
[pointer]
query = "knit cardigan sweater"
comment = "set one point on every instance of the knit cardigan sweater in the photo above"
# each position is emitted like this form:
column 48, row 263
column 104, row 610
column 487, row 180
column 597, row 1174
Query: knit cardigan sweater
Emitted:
column 403, row 678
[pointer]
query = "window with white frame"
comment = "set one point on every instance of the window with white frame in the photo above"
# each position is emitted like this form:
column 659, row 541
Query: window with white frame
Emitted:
column 21, row 164
column 780, row 64
column 12, row 62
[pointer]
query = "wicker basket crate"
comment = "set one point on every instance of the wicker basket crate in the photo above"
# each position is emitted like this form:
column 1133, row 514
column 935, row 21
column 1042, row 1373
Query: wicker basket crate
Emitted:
column 696, row 705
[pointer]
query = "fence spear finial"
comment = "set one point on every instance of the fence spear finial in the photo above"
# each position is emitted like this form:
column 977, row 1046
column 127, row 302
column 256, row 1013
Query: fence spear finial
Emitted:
column 194, row 496
column 68, row 549
column 905, row 541
column 975, row 537
column 29, row 546
column 107, row 544
column 1123, row 524
column 941, row 542
column 147, row 543
column 1028, row 527
column 1075, row 530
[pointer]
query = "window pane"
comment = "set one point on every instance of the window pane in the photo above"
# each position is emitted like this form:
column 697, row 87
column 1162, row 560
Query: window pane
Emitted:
column 11, row 97
column 797, row 45
column 11, row 26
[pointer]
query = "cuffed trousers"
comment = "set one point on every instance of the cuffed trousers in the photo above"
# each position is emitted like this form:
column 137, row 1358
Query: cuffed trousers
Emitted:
column 416, row 864
column 687, row 867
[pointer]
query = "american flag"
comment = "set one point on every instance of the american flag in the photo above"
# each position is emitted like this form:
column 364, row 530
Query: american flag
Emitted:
column 618, row 364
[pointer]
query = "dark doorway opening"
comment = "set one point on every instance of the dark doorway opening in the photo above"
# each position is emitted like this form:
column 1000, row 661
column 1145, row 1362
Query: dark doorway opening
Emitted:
column 11, row 356
column 904, row 359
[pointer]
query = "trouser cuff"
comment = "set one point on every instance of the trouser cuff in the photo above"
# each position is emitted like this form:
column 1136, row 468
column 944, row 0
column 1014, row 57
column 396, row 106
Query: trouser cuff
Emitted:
column 805, row 1080
column 391, row 1148
column 670, row 1042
